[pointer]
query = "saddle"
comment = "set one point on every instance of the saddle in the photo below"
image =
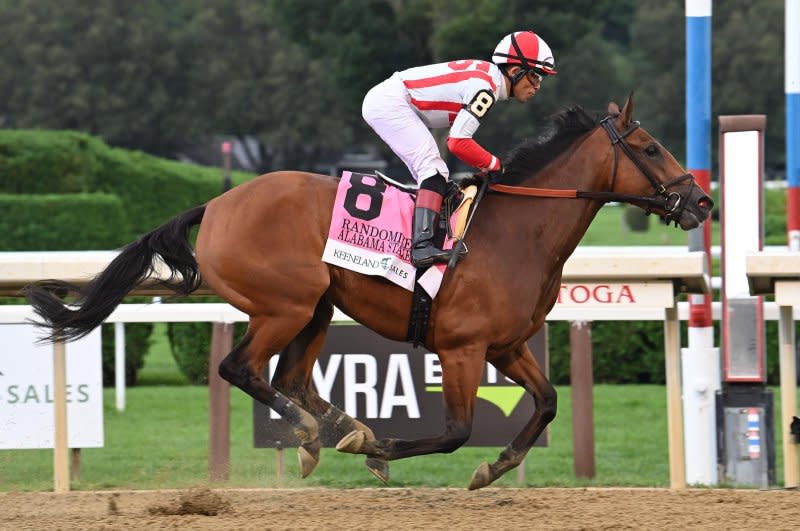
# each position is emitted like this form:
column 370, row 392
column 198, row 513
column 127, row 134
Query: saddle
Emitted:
column 459, row 199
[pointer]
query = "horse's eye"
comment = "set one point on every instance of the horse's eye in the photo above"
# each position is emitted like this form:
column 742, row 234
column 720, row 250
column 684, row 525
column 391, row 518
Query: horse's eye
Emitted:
column 651, row 150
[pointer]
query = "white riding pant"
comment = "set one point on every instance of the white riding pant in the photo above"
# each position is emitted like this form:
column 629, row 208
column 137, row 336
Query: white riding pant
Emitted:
column 387, row 110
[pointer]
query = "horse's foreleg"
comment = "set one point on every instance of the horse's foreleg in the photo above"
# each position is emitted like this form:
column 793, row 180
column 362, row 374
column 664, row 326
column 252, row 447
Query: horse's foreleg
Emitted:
column 461, row 374
column 520, row 366
column 293, row 377
column 244, row 368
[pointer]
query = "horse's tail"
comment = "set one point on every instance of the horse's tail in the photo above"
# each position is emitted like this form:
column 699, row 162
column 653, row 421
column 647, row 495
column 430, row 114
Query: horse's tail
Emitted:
column 135, row 263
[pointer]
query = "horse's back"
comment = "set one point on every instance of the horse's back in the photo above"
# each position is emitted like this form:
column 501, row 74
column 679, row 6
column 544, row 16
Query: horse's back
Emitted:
column 269, row 207
column 267, row 235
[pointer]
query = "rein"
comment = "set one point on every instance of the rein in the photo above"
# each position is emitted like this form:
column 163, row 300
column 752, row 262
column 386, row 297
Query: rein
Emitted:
column 671, row 202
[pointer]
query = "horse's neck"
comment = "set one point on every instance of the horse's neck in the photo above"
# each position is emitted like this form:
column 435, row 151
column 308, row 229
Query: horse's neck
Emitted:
column 563, row 222
column 566, row 222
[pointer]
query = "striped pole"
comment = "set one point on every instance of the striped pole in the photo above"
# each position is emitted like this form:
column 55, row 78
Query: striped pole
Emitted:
column 788, row 367
column 700, row 361
column 698, row 135
column 792, row 82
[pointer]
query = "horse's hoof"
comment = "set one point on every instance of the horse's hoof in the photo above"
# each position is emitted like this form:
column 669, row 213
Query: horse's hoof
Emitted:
column 307, row 462
column 360, row 426
column 352, row 442
column 481, row 477
column 379, row 468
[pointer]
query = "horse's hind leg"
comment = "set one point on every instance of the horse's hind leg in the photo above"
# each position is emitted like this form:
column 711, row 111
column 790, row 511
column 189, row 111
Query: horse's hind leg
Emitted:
column 293, row 377
column 244, row 368
column 520, row 366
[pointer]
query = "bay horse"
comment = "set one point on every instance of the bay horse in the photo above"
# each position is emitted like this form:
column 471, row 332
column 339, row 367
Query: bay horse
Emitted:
column 259, row 247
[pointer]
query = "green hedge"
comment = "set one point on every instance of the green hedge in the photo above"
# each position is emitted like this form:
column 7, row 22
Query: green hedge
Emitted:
column 632, row 352
column 64, row 222
column 151, row 189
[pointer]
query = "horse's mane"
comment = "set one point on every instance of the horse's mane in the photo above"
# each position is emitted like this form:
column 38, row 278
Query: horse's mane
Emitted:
column 560, row 132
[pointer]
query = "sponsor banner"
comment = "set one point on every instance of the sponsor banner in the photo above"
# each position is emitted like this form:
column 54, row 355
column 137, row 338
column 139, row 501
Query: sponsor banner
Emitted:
column 617, row 294
column 397, row 391
column 369, row 262
column 27, row 417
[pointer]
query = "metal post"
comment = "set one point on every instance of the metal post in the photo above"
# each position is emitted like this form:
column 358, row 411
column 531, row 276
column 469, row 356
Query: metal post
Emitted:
column 61, row 443
column 792, row 87
column 227, row 183
column 76, row 465
column 521, row 474
column 119, row 365
column 677, row 458
column 219, row 427
column 280, row 467
column 580, row 340
column 788, row 368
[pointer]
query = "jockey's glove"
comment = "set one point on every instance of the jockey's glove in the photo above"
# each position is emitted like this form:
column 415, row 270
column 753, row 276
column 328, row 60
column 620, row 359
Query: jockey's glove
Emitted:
column 495, row 176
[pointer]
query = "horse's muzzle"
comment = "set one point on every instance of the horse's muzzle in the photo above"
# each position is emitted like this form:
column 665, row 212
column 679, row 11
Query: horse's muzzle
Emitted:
column 698, row 208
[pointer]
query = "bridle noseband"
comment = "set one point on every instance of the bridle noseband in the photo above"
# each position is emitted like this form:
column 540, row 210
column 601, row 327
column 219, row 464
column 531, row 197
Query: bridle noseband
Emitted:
column 672, row 202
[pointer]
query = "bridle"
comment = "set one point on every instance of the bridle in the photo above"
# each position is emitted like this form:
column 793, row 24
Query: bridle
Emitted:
column 671, row 202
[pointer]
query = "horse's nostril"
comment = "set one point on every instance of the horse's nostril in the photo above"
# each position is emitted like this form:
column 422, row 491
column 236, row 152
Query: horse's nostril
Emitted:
column 705, row 203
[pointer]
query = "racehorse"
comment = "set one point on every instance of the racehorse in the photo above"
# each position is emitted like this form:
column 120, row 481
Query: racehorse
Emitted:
column 259, row 247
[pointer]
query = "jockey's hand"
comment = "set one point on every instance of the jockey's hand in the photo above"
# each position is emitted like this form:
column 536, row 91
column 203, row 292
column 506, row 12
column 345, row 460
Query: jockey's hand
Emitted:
column 494, row 175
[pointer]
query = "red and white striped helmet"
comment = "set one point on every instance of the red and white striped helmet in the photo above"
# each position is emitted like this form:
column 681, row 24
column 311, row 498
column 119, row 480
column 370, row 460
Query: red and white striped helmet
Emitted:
column 526, row 49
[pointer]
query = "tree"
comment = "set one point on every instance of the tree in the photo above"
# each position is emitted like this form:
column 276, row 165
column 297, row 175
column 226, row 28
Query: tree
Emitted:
column 659, row 70
column 153, row 74
column 747, row 72
column 111, row 70
column 381, row 37
column 246, row 79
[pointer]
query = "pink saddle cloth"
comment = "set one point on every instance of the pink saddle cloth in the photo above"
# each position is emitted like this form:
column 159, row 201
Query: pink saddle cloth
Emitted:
column 371, row 233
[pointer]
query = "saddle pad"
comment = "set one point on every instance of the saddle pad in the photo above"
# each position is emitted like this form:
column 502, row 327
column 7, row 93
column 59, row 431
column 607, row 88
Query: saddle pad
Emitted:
column 371, row 233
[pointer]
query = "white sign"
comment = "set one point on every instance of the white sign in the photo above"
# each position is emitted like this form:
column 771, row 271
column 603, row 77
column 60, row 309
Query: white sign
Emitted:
column 27, row 417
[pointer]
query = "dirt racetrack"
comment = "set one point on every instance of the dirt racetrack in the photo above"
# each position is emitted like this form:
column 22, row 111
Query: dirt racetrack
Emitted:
column 393, row 509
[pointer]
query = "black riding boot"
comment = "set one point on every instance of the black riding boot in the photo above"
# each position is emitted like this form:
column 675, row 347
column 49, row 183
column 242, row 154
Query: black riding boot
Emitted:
column 426, row 217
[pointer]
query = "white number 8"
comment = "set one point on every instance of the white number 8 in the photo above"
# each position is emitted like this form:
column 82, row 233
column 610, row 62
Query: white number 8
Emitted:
column 481, row 103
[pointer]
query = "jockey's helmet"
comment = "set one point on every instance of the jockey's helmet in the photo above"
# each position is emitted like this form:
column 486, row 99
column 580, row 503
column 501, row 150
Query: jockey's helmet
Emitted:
column 526, row 49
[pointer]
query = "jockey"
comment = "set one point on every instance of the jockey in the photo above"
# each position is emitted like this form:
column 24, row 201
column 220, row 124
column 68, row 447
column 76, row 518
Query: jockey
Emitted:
column 457, row 95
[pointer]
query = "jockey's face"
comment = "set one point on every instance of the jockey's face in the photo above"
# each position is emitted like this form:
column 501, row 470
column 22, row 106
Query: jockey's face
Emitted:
column 527, row 86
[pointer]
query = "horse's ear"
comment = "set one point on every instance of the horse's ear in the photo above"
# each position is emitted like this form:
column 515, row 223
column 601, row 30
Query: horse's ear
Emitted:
column 627, row 110
column 613, row 108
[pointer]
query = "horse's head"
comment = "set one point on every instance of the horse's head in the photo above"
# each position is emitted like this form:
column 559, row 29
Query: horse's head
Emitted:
column 647, row 175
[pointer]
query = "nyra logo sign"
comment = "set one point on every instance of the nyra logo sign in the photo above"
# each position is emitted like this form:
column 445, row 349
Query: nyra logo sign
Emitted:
column 396, row 390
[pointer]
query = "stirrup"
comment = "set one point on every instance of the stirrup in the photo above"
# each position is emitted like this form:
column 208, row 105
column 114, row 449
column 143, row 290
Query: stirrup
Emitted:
column 442, row 256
